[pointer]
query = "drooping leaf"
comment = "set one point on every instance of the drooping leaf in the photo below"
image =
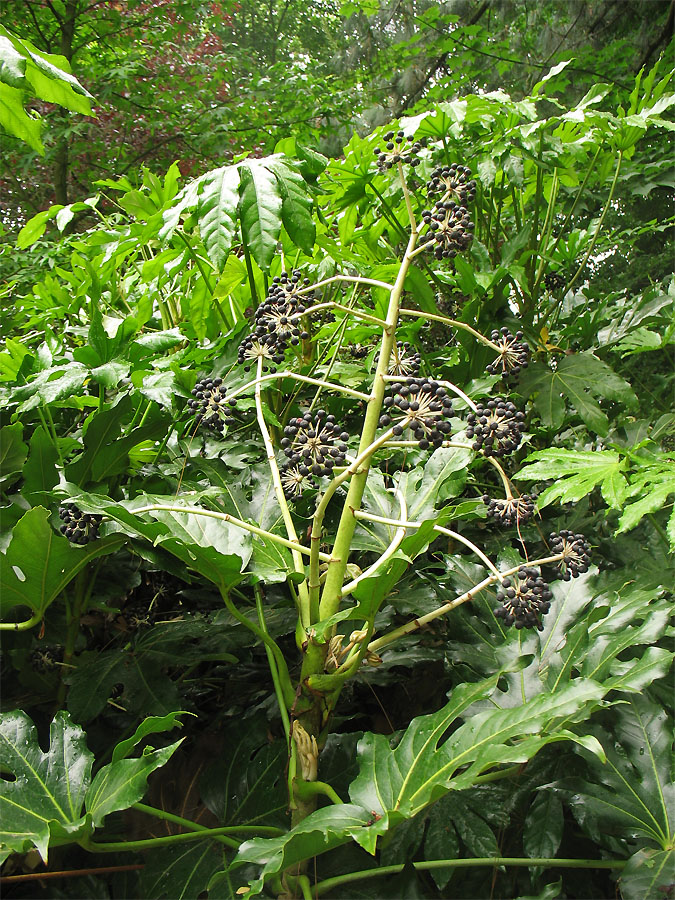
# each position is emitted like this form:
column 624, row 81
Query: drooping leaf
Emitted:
column 260, row 206
column 43, row 801
column 217, row 212
column 296, row 205
column 543, row 826
column 576, row 474
column 39, row 563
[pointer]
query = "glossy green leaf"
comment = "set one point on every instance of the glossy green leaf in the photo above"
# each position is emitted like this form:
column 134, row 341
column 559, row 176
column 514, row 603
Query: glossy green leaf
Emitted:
column 648, row 875
column 16, row 121
column 260, row 207
column 39, row 472
column 39, row 563
column 217, row 212
column 634, row 791
column 296, row 205
column 42, row 802
column 13, row 453
column 544, row 823
column 122, row 783
column 421, row 768
column 151, row 725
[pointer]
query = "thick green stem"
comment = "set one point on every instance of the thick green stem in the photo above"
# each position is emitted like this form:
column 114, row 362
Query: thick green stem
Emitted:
column 329, row 884
column 22, row 626
column 265, row 830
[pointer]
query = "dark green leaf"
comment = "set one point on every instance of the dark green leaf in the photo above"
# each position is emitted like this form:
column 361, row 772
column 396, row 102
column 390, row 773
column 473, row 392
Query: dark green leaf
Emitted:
column 648, row 875
column 13, row 452
column 43, row 801
column 39, row 563
column 39, row 472
column 544, row 825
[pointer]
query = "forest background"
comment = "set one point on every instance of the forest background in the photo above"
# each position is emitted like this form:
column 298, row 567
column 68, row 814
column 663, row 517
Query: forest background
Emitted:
column 571, row 246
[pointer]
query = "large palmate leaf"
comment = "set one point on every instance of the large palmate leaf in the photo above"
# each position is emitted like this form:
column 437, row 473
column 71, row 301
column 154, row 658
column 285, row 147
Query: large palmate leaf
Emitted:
column 582, row 380
column 633, row 794
column 49, row 798
column 39, row 563
column 648, row 875
column 576, row 474
column 44, row 801
column 396, row 784
column 182, row 872
column 423, row 767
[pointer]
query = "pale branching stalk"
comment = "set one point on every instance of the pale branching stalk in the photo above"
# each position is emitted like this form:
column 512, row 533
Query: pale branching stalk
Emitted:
column 421, row 621
column 396, row 542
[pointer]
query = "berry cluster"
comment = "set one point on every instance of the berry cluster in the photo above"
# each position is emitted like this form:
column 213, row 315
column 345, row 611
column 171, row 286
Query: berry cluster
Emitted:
column 554, row 281
column 575, row 550
column 404, row 360
column 210, row 406
column 314, row 443
column 359, row 351
column 397, row 149
column 524, row 599
column 450, row 227
column 79, row 527
column 453, row 181
column 276, row 323
column 46, row 659
column 514, row 353
column 511, row 511
column 496, row 428
column 421, row 405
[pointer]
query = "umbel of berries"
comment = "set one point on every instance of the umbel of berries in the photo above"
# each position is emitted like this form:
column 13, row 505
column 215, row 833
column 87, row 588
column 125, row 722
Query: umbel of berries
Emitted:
column 397, row 149
column 453, row 182
column 510, row 511
column 524, row 599
column 554, row 282
column 514, row 353
column 575, row 551
column 79, row 527
column 421, row 406
column 314, row 443
column 209, row 405
column 450, row 227
column 496, row 428
column 405, row 360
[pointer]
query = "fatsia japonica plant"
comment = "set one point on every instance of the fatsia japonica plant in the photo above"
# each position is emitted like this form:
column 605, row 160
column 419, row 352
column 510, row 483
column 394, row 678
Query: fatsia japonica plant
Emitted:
column 306, row 400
